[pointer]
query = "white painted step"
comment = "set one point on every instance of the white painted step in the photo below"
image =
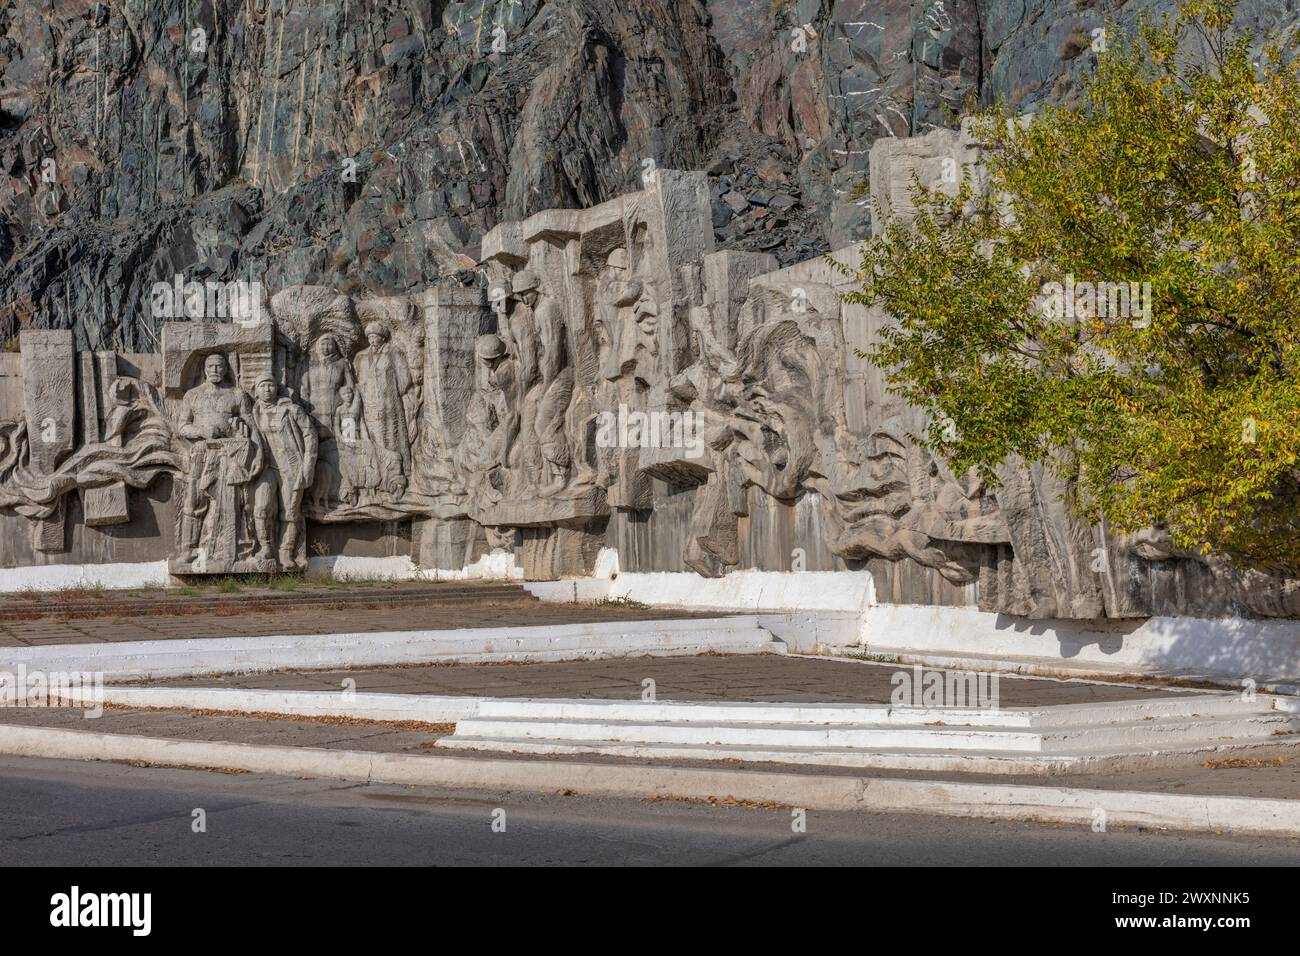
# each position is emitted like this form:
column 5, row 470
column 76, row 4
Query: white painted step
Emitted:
column 740, row 634
column 1155, row 733
column 1284, row 682
column 975, row 761
column 739, row 712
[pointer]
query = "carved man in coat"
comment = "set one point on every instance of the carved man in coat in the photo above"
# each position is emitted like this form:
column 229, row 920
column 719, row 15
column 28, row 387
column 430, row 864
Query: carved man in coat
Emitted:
column 292, row 444
column 226, row 455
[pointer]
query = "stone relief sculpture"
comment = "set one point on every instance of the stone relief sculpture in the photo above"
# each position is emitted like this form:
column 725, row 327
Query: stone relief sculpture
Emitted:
column 226, row 455
column 553, row 393
column 525, row 331
column 613, row 381
column 327, row 374
column 481, row 456
column 291, row 443
column 354, row 465
column 626, row 346
column 384, row 387
column 134, row 451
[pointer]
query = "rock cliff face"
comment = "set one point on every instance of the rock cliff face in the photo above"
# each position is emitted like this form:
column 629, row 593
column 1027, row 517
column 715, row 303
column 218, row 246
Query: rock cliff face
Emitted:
column 369, row 146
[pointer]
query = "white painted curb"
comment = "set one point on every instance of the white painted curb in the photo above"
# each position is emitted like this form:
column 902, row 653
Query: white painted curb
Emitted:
column 491, row 567
column 425, row 708
column 810, row 791
column 59, row 577
column 752, row 590
column 178, row 658
column 370, row 705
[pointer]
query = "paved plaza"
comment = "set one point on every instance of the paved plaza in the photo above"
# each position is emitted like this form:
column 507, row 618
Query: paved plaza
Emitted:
column 739, row 677
column 81, row 618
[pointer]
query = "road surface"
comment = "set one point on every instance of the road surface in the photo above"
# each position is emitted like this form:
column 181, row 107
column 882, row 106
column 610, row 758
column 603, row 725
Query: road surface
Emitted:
column 96, row 814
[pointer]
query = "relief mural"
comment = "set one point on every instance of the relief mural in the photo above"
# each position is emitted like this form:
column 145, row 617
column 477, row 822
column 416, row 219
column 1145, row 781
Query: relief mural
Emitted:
column 612, row 373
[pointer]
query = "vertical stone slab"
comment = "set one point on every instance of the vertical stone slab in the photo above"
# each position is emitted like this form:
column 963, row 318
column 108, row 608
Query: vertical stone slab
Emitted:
column 453, row 319
column 49, row 395
column 726, row 285
column 88, row 400
column 106, row 504
column 669, row 231
column 49, row 400
column 443, row 544
column 939, row 160
column 680, row 233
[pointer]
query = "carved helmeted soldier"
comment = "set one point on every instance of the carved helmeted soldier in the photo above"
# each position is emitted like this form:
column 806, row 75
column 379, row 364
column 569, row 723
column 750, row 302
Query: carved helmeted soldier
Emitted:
column 385, row 383
column 554, row 394
column 540, row 458
column 292, row 444
column 521, row 328
column 482, row 451
column 227, row 454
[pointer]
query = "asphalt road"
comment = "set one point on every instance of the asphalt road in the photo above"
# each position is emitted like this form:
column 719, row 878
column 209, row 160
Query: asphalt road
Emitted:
column 91, row 814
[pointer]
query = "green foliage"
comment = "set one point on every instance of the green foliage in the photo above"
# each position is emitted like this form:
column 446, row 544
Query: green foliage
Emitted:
column 1181, row 176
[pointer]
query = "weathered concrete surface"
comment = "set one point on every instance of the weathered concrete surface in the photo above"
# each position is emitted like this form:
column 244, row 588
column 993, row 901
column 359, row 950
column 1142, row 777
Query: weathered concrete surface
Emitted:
column 612, row 384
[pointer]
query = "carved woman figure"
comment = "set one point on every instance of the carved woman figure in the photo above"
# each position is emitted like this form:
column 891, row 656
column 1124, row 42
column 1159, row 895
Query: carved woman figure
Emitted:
column 328, row 372
column 326, row 377
column 385, row 384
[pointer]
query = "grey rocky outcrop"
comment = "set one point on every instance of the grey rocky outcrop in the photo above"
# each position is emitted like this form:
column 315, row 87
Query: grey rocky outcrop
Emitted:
column 369, row 147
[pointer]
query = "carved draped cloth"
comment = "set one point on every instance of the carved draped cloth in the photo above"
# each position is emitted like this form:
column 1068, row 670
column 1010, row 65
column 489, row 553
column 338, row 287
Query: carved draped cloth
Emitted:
column 384, row 381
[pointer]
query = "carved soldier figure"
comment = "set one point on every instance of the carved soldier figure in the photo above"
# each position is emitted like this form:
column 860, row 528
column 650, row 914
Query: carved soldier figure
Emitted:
column 521, row 446
column 540, row 458
column 482, row 450
column 227, row 454
column 554, row 393
column 291, row 442
column 385, row 384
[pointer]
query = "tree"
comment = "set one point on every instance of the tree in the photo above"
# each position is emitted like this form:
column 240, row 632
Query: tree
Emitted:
column 1022, row 326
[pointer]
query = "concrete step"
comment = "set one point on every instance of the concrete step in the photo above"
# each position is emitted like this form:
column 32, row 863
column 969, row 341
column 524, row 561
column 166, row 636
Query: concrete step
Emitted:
column 1153, row 733
column 174, row 658
column 919, row 759
column 1176, row 705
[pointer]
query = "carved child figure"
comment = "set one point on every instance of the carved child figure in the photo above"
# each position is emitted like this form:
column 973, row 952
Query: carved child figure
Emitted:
column 358, row 473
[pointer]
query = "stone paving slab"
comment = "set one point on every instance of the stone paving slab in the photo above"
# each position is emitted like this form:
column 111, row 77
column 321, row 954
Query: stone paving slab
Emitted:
column 239, row 592
column 1275, row 779
column 740, row 677
column 308, row 621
